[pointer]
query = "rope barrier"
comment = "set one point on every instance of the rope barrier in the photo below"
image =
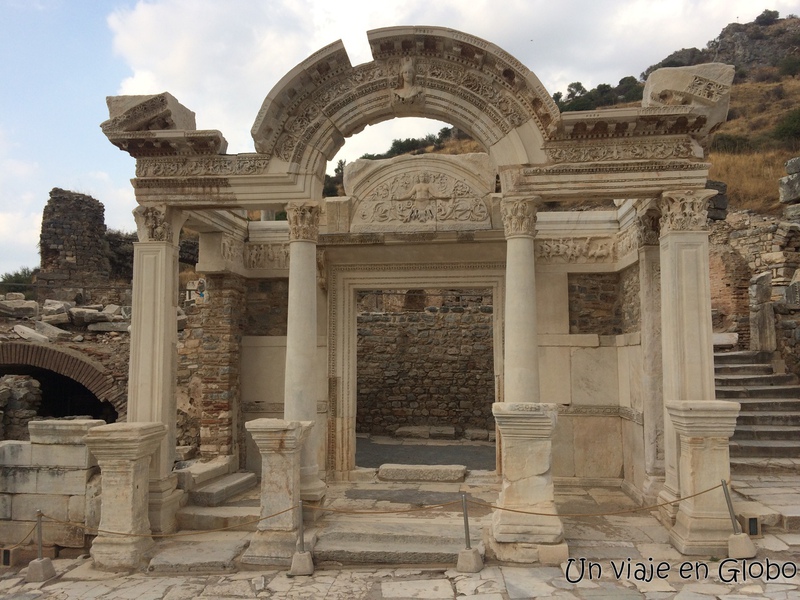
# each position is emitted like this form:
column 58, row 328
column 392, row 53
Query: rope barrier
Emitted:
column 366, row 512
column 601, row 514
column 22, row 541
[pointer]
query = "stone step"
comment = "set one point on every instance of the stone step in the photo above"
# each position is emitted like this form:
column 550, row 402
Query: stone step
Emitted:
column 767, row 417
column 205, row 518
column 394, row 540
column 194, row 473
column 735, row 392
column 774, row 379
column 767, row 404
column 744, row 369
column 765, row 448
column 743, row 465
column 766, row 432
column 742, row 357
column 432, row 473
column 221, row 489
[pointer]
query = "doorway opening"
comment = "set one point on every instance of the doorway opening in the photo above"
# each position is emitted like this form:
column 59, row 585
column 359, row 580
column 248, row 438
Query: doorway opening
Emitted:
column 425, row 377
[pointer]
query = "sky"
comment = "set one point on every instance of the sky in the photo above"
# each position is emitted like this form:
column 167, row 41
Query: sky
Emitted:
column 59, row 59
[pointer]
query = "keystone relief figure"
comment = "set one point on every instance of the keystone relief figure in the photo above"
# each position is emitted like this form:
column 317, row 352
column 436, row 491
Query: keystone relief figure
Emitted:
column 409, row 91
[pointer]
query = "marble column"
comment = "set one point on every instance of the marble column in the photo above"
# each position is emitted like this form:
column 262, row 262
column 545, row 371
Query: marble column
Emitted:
column 154, row 336
column 301, row 393
column 703, row 523
column 123, row 451
column 527, row 456
column 652, row 384
column 686, row 332
column 521, row 351
column 279, row 443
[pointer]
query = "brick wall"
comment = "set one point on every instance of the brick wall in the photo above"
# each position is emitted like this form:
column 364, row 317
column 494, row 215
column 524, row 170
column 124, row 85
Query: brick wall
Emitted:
column 267, row 306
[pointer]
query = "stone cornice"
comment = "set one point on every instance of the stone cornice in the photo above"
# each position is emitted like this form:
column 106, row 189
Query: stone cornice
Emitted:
column 525, row 420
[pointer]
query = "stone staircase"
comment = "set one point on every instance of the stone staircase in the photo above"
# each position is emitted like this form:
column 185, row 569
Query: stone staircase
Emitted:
column 768, row 425
column 217, row 497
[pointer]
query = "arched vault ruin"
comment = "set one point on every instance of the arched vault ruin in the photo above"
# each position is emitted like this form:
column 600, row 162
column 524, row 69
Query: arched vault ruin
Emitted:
column 625, row 404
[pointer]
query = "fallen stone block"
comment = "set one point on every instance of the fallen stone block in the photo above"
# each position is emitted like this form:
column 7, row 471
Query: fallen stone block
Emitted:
column 55, row 307
column 56, row 431
column 793, row 165
column 413, row 431
column 26, row 333
column 56, row 319
column 437, row 473
column 15, row 296
column 18, row 308
column 446, row 432
column 112, row 309
column 476, row 434
column 789, row 189
column 121, row 326
column 86, row 316
column 52, row 332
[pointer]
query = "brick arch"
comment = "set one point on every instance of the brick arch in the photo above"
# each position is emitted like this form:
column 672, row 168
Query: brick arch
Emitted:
column 431, row 72
column 69, row 363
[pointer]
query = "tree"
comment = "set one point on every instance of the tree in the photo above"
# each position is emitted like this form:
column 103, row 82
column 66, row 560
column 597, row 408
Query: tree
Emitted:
column 575, row 89
column 768, row 17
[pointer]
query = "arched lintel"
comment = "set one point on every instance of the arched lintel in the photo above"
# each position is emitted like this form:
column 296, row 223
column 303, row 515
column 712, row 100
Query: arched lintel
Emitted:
column 429, row 72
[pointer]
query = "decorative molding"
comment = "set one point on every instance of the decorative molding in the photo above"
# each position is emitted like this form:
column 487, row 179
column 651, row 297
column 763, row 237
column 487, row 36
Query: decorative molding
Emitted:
column 322, row 270
column 685, row 210
column 203, row 166
column 519, row 216
column 303, row 220
column 627, row 241
column 648, row 227
column 232, row 249
column 266, row 256
column 629, row 414
column 624, row 412
column 575, row 250
column 708, row 89
column 571, row 152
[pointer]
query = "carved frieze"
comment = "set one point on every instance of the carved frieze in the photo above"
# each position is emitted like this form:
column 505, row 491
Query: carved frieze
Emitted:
column 242, row 164
column 303, row 220
column 708, row 89
column 232, row 249
column 627, row 241
column 663, row 149
column 575, row 250
column 266, row 256
column 685, row 210
column 425, row 200
column 519, row 216
column 322, row 270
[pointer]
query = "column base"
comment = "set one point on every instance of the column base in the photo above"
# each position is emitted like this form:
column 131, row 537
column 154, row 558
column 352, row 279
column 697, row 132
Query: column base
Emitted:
column 522, row 552
column 512, row 527
column 274, row 548
column 668, row 512
column 312, row 493
column 163, row 504
column 701, row 535
column 116, row 553
column 651, row 488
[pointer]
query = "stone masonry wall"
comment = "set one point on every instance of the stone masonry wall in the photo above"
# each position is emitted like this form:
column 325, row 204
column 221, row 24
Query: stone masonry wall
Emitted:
column 223, row 317
column 425, row 368
column 20, row 398
column 629, row 302
column 594, row 305
column 267, row 306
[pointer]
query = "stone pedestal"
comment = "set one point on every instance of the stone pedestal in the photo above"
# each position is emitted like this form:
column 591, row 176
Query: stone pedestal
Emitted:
column 686, row 332
column 703, row 524
column 154, row 336
column 527, row 430
column 300, row 391
column 123, row 451
column 279, row 443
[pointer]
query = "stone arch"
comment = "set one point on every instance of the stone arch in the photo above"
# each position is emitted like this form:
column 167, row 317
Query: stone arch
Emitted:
column 417, row 71
column 90, row 374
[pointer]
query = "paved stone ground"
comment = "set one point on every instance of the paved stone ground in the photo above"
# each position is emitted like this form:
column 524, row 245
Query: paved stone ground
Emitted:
column 604, row 543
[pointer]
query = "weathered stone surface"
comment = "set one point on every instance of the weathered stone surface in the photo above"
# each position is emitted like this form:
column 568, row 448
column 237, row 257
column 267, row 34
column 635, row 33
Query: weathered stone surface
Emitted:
column 57, row 319
column 122, row 327
column 789, row 189
column 85, row 316
column 55, row 307
column 439, row 473
column 112, row 309
column 18, row 308
column 793, row 165
column 413, row 431
column 52, row 332
column 26, row 333
column 15, row 296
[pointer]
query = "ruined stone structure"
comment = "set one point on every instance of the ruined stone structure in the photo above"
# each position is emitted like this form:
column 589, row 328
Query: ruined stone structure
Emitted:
column 629, row 400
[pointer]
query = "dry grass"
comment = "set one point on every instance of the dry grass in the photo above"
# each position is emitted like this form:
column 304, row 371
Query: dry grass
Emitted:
column 757, row 107
column 752, row 178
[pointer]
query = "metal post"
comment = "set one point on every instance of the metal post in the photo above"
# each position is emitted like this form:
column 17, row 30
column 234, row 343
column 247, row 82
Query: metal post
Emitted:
column 39, row 531
column 301, row 531
column 466, row 518
column 735, row 523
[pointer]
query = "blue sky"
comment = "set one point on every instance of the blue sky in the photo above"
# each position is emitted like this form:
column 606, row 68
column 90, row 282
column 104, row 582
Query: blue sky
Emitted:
column 59, row 59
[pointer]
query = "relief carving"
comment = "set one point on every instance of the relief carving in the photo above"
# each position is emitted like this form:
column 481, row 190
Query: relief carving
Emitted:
column 575, row 250
column 322, row 270
column 707, row 88
column 266, row 256
column 627, row 241
column 432, row 200
column 202, row 166
column 648, row 226
column 232, row 249
column 156, row 226
column 685, row 210
column 655, row 150
column 519, row 216
column 303, row 220
column 407, row 91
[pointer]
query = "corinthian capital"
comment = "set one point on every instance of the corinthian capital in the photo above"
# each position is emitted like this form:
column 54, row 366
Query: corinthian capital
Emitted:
column 647, row 226
column 685, row 210
column 303, row 220
column 519, row 216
